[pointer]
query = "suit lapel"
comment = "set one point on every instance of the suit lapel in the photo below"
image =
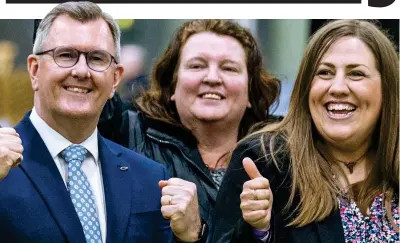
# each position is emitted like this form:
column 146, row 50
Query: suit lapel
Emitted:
column 330, row 229
column 117, row 181
column 40, row 168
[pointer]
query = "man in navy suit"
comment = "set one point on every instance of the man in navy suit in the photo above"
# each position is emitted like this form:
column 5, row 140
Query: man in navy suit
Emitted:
column 73, row 70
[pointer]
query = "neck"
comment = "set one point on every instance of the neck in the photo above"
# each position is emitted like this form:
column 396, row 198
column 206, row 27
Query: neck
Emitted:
column 360, row 172
column 360, row 157
column 215, row 143
column 75, row 129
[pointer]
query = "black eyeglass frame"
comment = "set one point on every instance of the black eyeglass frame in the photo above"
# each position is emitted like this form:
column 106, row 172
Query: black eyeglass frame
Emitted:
column 85, row 53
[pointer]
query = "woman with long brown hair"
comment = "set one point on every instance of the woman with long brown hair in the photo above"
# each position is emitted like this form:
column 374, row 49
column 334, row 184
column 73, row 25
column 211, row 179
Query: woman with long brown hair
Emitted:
column 329, row 171
column 207, row 89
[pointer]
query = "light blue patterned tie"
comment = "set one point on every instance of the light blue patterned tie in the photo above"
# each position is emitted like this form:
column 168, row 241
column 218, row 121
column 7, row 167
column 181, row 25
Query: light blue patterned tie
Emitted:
column 80, row 192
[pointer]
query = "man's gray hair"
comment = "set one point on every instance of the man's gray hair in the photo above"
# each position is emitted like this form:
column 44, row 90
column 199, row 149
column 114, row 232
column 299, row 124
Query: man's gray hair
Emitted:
column 80, row 11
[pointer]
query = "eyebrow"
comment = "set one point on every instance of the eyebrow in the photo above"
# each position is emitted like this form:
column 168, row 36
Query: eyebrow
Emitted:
column 351, row 65
column 196, row 59
column 224, row 61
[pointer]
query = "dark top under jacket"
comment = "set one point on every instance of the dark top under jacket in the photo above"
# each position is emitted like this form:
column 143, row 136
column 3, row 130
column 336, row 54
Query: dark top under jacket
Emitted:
column 229, row 224
column 171, row 146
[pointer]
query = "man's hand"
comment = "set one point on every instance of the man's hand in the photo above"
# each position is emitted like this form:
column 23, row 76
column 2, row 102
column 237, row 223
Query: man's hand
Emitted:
column 180, row 205
column 10, row 150
column 256, row 198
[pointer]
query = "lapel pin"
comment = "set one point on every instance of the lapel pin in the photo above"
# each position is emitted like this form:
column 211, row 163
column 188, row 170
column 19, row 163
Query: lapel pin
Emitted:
column 123, row 168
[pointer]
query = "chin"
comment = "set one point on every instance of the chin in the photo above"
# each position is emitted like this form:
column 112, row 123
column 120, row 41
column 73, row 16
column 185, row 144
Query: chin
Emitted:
column 208, row 118
column 209, row 113
column 340, row 136
column 78, row 112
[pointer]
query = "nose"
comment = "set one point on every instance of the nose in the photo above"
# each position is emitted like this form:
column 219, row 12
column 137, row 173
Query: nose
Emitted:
column 339, row 85
column 81, row 69
column 212, row 76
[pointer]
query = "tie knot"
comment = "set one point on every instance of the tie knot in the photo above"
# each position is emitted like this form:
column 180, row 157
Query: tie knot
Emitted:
column 74, row 152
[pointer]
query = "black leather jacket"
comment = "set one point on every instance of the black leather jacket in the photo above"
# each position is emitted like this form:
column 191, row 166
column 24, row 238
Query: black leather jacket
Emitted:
column 172, row 146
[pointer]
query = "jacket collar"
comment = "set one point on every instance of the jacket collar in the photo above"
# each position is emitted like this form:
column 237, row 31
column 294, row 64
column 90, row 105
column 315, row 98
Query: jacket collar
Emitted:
column 167, row 132
column 185, row 142
column 117, row 182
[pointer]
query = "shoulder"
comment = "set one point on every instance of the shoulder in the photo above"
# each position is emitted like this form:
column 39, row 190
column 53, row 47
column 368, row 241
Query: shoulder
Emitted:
column 133, row 128
column 134, row 118
column 134, row 115
column 262, row 147
column 139, row 120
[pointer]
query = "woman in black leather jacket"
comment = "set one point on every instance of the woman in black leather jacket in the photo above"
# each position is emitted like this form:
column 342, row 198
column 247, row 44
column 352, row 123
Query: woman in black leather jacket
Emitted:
column 208, row 88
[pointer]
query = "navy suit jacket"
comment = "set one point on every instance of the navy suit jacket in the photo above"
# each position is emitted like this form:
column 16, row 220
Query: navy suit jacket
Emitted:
column 35, row 205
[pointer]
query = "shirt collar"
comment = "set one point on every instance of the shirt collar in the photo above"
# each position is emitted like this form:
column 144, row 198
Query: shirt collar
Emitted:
column 56, row 143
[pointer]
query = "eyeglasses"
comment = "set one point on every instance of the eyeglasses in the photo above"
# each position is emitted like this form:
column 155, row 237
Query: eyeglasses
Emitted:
column 66, row 57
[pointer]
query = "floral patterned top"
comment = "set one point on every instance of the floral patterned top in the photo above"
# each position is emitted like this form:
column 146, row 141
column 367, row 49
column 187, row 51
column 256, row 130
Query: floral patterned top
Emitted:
column 374, row 228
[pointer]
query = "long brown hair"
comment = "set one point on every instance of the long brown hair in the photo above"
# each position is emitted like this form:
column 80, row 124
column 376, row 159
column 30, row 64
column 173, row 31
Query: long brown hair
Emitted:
column 263, row 89
column 311, row 172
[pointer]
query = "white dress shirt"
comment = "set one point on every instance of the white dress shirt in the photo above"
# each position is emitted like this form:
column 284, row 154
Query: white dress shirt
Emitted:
column 56, row 143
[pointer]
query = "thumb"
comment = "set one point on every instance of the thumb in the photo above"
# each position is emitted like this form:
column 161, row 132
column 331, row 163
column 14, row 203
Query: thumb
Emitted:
column 251, row 168
column 162, row 183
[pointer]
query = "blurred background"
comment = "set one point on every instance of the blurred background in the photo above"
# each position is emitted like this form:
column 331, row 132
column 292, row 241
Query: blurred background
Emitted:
column 282, row 43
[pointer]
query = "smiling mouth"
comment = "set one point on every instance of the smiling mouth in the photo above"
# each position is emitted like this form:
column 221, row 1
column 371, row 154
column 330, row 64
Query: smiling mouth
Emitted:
column 77, row 90
column 211, row 96
column 340, row 110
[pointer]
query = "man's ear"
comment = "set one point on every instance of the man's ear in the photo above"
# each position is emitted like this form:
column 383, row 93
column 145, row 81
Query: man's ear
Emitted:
column 119, row 71
column 33, row 67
